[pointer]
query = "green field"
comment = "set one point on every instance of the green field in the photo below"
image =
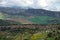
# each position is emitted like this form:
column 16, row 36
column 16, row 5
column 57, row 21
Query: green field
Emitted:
column 43, row 19
column 31, row 19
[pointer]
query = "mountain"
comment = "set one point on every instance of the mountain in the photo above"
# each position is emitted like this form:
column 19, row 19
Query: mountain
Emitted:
column 29, row 12
column 30, row 16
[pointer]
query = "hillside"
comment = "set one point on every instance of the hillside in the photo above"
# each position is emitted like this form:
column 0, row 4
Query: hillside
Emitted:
column 8, row 22
column 30, row 16
column 29, row 12
column 45, row 20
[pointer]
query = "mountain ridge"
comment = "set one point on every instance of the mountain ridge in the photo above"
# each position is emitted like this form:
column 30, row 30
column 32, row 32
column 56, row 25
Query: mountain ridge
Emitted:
column 29, row 12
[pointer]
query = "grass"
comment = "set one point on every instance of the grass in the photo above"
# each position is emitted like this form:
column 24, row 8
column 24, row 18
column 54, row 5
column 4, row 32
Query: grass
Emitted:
column 25, row 35
column 39, row 36
column 41, row 19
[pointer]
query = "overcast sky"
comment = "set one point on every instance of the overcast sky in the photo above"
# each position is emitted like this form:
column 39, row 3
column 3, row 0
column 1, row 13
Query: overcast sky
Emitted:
column 53, row 5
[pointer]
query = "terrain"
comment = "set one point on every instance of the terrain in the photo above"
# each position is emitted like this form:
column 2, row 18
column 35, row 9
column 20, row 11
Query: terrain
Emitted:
column 29, row 24
column 8, row 22
column 30, row 32
column 30, row 16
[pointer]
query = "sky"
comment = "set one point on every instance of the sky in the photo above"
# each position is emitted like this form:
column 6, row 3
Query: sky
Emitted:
column 52, row 5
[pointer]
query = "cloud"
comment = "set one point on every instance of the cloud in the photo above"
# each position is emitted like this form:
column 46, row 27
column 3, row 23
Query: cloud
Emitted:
column 53, row 5
column 3, row 3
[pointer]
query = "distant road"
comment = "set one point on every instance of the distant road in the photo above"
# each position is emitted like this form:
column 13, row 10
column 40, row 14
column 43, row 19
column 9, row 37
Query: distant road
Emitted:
column 23, row 21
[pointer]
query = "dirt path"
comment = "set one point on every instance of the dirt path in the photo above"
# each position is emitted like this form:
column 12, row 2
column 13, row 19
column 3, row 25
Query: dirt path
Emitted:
column 23, row 21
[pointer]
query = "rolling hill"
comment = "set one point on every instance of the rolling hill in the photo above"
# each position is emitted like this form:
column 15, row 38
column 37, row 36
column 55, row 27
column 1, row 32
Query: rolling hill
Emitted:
column 29, row 16
column 8, row 22
column 29, row 12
